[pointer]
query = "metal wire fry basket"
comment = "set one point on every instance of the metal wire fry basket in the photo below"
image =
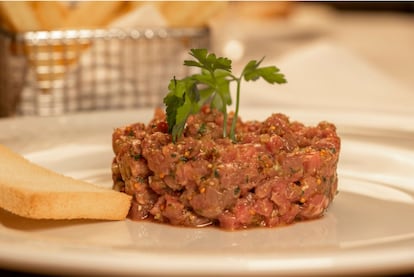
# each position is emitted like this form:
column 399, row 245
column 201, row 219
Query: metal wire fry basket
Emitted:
column 59, row 72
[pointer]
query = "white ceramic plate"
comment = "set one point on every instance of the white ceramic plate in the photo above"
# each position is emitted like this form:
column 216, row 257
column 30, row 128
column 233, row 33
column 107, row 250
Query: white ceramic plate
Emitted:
column 368, row 229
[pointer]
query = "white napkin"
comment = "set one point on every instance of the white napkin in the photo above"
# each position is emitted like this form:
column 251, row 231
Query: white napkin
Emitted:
column 324, row 75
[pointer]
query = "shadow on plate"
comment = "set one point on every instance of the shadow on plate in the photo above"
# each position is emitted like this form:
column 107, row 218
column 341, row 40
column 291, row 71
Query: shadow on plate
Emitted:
column 13, row 221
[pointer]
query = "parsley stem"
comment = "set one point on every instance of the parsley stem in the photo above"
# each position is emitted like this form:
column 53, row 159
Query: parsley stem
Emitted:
column 225, row 123
column 236, row 112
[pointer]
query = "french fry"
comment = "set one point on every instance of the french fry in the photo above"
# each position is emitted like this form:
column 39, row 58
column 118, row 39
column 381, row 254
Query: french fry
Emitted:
column 91, row 14
column 262, row 10
column 83, row 15
column 49, row 62
column 5, row 24
column 136, row 4
column 190, row 14
column 50, row 14
column 20, row 16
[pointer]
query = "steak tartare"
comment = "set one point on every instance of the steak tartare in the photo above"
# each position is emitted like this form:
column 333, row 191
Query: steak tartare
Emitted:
column 276, row 173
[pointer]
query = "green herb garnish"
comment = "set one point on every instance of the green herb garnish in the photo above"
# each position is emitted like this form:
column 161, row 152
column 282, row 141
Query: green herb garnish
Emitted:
column 211, row 86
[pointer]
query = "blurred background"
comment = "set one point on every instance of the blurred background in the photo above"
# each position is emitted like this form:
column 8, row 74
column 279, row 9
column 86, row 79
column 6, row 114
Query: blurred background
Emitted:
column 60, row 57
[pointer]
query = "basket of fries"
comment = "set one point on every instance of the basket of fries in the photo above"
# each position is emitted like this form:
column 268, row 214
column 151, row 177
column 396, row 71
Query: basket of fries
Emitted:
column 80, row 60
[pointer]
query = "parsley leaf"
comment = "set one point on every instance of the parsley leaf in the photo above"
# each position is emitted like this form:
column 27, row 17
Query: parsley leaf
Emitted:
column 181, row 102
column 252, row 72
column 208, row 61
column 211, row 86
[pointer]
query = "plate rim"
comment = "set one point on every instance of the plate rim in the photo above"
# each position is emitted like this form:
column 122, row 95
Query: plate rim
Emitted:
column 403, row 263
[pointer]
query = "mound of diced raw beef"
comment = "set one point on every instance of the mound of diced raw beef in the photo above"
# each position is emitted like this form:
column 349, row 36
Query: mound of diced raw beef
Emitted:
column 276, row 173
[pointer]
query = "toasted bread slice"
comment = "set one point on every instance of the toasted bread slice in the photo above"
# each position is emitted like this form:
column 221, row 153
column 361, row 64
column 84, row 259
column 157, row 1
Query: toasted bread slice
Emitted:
column 32, row 191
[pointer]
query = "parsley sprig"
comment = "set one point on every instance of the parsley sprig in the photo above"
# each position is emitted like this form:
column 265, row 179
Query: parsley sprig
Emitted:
column 211, row 86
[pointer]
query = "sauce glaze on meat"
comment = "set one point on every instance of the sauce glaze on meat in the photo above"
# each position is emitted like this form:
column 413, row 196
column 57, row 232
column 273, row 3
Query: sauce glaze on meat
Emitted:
column 278, row 172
